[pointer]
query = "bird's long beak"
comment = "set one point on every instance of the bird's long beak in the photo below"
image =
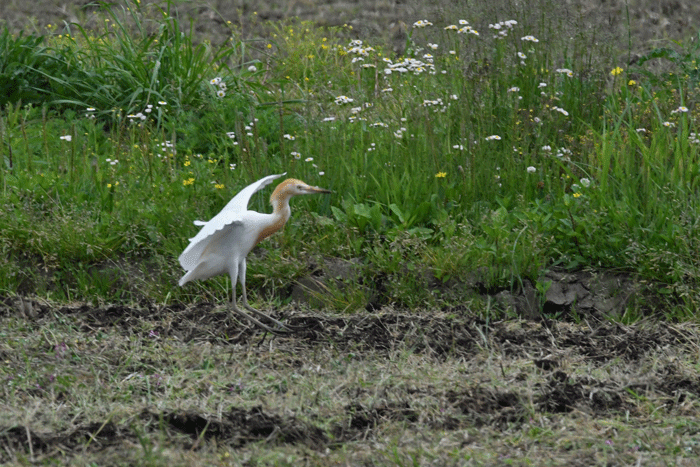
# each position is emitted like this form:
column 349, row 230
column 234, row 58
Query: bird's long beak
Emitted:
column 315, row 189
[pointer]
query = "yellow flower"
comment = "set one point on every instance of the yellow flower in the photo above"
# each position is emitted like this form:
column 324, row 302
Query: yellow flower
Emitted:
column 441, row 175
column 631, row 82
column 187, row 163
column 188, row 181
column 219, row 186
column 616, row 71
column 576, row 195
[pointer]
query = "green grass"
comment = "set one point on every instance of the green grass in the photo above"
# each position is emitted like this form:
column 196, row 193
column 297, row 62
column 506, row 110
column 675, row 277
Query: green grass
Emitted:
column 503, row 155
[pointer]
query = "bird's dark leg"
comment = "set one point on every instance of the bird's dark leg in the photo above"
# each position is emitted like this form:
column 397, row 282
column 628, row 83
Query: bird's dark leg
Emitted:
column 260, row 314
column 281, row 330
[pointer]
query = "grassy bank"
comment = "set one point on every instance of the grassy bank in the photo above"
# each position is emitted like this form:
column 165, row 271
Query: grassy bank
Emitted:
column 487, row 151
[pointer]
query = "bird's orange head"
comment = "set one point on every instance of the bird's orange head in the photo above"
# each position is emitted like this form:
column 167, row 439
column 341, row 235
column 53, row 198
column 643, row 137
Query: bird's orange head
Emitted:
column 292, row 187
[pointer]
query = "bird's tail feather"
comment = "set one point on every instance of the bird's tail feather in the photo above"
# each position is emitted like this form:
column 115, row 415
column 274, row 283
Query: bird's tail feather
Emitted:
column 203, row 270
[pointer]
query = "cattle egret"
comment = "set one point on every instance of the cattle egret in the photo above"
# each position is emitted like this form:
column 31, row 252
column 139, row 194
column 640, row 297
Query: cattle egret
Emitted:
column 223, row 243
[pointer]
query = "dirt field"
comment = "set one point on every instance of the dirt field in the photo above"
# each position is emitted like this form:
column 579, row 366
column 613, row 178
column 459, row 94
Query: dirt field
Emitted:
column 181, row 385
column 189, row 384
column 643, row 24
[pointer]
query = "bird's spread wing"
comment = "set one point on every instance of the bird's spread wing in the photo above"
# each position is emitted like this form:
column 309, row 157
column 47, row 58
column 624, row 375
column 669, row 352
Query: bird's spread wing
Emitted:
column 240, row 201
column 229, row 215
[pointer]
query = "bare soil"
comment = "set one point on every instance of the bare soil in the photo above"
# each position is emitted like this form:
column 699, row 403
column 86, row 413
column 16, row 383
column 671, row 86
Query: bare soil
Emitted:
column 499, row 377
column 632, row 26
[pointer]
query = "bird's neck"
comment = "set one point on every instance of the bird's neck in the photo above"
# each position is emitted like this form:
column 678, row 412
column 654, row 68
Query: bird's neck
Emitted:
column 280, row 203
column 280, row 214
column 281, row 209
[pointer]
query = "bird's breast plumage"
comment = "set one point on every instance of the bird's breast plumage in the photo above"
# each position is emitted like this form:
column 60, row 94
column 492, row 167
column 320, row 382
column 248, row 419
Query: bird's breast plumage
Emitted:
column 276, row 222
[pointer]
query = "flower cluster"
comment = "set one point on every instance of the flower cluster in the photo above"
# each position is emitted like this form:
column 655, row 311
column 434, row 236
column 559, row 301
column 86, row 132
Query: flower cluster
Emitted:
column 219, row 83
column 422, row 23
column 502, row 28
column 464, row 29
column 468, row 30
column 379, row 124
column 141, row 117
column 166, row 148
column 616, row 71
column 434, row 103
column 577, row 188
column 681, row 109
column 565, row 71
column 409, row 65
column 356, row 48
column 564, row 153
column 423, row 61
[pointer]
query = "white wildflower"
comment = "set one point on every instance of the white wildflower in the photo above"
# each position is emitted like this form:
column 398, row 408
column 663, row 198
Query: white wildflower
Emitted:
column 422, row 23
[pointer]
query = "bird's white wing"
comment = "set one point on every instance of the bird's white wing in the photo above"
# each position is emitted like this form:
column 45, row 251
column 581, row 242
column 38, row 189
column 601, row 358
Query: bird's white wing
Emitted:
column 231, row 214
column 240, row 201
